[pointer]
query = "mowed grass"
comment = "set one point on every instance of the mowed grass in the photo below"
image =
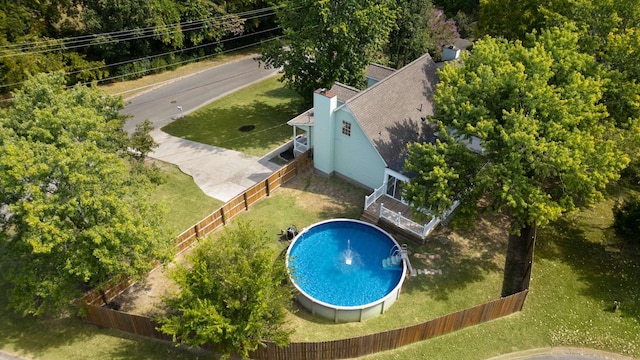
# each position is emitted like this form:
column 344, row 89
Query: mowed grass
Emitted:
column 575, row 281
column 576, row 277
column 184, row 201
column 471, row 261
column 252, row 120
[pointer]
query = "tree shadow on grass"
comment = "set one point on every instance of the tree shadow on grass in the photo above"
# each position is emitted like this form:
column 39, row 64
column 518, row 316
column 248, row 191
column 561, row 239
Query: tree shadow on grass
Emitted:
column 34, row 337
column 464, row 256
column 151, row 349
column 336, row 197
column 609, row 272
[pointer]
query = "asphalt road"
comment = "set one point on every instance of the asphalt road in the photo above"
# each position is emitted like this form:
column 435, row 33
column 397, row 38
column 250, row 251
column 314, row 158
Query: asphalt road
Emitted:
column 220, row 173
column 160, row 105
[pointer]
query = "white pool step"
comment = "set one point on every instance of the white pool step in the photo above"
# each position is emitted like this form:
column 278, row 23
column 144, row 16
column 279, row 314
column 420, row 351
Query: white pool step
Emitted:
column 392, row 261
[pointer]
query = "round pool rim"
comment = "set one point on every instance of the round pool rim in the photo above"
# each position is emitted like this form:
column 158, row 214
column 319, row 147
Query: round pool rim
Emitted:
column 390, row 296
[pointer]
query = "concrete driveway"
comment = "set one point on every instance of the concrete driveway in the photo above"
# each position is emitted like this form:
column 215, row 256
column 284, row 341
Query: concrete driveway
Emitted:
column 220, row 173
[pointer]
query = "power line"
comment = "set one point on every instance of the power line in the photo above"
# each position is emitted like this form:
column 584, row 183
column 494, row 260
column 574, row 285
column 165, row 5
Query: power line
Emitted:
column 114, row 40
column 157, row 55
column 165, row 66
column 130, row 32
column 178, row 63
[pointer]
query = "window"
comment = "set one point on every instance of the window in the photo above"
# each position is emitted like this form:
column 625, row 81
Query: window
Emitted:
column 346, row 128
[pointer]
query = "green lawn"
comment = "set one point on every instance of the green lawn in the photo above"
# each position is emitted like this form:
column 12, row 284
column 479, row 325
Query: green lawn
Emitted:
column 184, row 201
column 575, row 281
column 252, row 120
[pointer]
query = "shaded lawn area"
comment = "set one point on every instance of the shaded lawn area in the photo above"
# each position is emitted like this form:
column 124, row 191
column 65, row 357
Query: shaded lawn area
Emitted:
column 252, row 120
column 577, row 275
column 471, row 261
column 70, row 339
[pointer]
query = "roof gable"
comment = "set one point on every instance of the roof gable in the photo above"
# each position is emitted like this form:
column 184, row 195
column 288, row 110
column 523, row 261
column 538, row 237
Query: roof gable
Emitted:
column 394, row 112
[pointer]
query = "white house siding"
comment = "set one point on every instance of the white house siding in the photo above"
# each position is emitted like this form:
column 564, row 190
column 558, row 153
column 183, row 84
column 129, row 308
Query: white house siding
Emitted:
column 355, row 157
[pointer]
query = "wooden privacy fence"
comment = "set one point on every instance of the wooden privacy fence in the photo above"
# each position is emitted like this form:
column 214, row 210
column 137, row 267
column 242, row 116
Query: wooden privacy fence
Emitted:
column 242, row 202
column 213, row 221
column 336, row 349
column 131, row 323
column 392, row 339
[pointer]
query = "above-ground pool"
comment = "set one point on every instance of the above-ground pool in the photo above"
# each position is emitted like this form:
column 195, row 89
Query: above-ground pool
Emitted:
column 345, row 270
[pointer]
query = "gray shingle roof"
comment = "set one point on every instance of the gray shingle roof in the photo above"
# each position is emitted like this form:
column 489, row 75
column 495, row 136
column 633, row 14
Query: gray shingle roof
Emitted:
column 378, row 72
column 395, row 111
column 343, row 92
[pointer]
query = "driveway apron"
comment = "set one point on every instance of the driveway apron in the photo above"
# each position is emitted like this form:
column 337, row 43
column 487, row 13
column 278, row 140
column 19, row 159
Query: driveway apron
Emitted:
column 220, row 173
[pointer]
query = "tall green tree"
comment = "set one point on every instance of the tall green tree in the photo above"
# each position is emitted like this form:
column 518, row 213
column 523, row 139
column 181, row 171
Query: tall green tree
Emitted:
column 411, row 37
column 73, row 214
column 453, row 7
column 328, row 41
column 233, row 294
column 170, row 23
column 608, row 30
column 28, row 32
column 536, row 107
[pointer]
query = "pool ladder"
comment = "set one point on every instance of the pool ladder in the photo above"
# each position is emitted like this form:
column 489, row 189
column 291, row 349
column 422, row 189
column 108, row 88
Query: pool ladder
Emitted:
column 395, row 256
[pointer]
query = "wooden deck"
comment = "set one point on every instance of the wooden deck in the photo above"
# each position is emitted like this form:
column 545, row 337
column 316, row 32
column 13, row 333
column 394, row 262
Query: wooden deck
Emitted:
column 372, row 215
column 391, row 204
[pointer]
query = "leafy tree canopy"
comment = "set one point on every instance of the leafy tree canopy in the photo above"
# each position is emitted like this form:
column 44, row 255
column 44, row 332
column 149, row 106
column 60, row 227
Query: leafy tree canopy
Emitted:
column 328, row 41
column 233, row 294
column 536, row 108
column 72, row 213
column 410, row 38
column 547, row 140
column 608, row 30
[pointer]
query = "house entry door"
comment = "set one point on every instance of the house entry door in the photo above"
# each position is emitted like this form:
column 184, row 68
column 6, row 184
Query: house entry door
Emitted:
column 394, row 187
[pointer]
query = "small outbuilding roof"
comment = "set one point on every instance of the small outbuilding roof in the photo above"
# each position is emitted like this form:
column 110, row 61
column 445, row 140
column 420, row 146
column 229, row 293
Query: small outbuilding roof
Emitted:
column 378, row 72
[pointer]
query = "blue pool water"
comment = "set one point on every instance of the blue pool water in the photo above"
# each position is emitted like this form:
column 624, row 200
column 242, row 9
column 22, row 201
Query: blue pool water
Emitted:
column 319, row 268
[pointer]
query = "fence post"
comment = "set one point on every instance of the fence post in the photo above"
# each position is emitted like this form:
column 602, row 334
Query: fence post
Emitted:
column 224, row 222
column 197, row 226
column 246, row 203
column 266, row 182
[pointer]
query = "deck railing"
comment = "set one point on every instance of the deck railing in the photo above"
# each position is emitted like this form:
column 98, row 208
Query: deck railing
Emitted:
column 402, row 222
column 420, row 230
column 300, row 144
column 377, row 194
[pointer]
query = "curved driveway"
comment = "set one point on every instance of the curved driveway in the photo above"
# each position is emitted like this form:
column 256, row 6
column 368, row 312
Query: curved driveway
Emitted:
column 219, row 172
